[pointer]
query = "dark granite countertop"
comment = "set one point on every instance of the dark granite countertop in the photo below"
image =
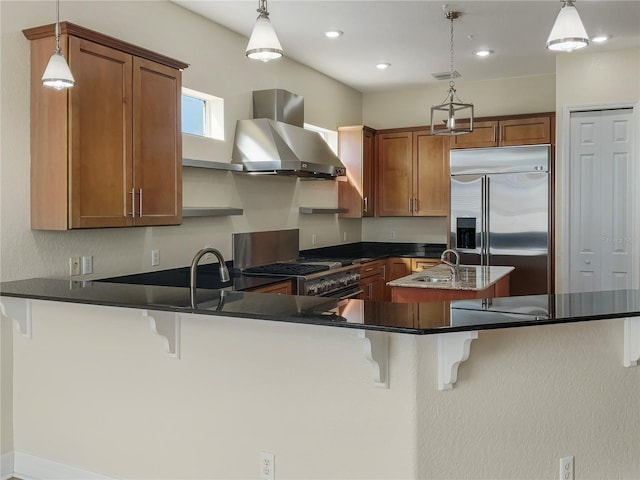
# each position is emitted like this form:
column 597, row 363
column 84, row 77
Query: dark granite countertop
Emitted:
column 417, row 319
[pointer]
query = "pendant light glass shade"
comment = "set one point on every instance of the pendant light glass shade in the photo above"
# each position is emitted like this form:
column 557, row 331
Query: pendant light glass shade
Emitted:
column 57, row 74
column 263, row 43
column 568, row 32
column 455, row 117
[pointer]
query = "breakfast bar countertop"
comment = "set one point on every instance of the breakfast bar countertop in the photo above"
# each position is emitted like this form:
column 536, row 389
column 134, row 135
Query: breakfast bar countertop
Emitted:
column 434, row 317
column 470, row 277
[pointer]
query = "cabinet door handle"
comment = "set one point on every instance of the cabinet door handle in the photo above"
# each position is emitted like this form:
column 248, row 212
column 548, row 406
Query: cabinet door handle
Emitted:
column 133, row 202
column 140, row 203
column 410, row 204
column 366, row 204
column 368, row 269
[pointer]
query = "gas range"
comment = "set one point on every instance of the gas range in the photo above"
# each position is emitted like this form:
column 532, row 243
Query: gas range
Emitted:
column 326, row 279
column 276, row 254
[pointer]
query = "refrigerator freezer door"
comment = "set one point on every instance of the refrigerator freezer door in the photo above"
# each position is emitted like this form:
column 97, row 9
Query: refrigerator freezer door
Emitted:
column 468, row 217
column 479, row 161
column 518, row 233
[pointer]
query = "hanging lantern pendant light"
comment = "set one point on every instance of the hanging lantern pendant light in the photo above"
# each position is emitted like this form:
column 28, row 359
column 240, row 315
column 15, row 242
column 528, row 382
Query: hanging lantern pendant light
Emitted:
column 263, row 43
column 57, row 73
column 452, row 107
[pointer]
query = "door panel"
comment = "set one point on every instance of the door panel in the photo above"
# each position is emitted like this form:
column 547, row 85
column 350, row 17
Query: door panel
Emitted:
column 100, row 136
column 395, row 174
column 602, row 228
column 518, row 213
column 518, row 232
column 431, row 174
column 157, row 149
column 467, row 217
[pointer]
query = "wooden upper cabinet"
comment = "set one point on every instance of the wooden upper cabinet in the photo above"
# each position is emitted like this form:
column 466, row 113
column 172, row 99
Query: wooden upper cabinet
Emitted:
column 485, row 134
column 395, row 174
column 529, row 130
column 157, row 176
column 431, row 174
column 413, row 174
column 356, row 149
column 525, row 131
column 111, row 144
column 100, row 134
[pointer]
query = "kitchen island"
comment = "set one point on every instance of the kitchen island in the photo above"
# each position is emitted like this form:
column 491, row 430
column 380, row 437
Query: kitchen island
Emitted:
column 438, row 284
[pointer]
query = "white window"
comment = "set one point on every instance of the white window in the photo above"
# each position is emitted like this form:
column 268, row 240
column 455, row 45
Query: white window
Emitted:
column 329, row 136
column 202, row 114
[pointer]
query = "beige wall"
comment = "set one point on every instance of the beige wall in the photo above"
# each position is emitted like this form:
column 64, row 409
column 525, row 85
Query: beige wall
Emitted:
column 217, row 66
column 590, row 80
column 116, row 404
column 412, row 107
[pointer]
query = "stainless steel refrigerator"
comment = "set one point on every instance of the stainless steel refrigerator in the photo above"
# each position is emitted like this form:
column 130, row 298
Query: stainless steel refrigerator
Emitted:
column 500, row 212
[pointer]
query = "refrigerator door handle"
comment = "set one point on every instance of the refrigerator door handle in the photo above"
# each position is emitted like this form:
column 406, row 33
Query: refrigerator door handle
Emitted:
column 483, row 219
column 487, row 244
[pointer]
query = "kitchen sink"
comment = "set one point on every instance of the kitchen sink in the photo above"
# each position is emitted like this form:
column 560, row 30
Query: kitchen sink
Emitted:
column 433, row 279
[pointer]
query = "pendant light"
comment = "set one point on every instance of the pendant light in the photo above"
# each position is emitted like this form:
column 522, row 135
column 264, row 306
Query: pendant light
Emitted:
column 452, row 107
column 57, row 74
column 263, row 43
column 568, row 32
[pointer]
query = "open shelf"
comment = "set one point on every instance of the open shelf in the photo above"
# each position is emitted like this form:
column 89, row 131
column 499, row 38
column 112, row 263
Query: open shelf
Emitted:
column 233, row 167
column 314, row 210
column 211, row 211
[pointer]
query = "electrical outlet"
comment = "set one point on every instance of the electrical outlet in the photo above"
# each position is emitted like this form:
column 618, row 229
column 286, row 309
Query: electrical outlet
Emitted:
column 392, row 235
column 155, row 258
column 74, row 266
column 87, row 265
column 566, row 468
column 313, row 239
column 267, row 466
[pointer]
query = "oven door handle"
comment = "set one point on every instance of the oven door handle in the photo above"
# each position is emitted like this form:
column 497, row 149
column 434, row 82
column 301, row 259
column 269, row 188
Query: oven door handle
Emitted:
column 352, row 294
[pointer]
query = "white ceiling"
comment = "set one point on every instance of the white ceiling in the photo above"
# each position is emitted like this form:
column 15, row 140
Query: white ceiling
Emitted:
column 413, row 36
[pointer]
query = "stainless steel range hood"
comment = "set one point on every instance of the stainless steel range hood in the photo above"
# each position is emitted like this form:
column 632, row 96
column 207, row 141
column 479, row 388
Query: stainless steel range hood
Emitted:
column 275, row 142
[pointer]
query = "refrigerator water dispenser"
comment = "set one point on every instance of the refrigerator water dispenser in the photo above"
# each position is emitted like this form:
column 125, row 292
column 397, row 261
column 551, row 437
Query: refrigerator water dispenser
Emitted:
column 466, row 233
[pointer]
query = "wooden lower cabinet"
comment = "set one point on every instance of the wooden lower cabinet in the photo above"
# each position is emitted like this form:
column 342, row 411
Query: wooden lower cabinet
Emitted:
column 373, row 279
column 280, row 288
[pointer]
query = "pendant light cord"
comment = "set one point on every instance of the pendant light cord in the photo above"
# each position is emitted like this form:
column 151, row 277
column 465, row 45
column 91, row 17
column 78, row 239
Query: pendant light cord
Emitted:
column 58, row 26
column 451, row 82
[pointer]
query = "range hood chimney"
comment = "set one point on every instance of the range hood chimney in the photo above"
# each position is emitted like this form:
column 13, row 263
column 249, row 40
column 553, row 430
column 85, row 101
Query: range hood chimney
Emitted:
column 275, row 142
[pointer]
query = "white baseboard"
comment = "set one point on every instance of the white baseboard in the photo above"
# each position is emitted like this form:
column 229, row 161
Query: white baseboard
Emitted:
column 6, row 465
column 30, row 467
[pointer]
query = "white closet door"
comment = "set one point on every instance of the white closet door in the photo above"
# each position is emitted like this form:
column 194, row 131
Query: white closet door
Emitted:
column 603, row 230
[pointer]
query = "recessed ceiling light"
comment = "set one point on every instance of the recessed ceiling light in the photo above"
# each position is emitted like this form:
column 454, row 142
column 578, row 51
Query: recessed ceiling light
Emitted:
column 485, row 52
column 333, row 33
column 600, row 38
column 383, row 66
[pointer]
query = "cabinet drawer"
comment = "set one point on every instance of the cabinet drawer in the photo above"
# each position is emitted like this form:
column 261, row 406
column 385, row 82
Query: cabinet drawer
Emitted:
column 372, row 269
column 418, row 264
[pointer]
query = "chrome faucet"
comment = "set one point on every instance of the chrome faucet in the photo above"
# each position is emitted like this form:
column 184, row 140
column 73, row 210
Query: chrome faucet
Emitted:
column 224, row 272
column 455, row 267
